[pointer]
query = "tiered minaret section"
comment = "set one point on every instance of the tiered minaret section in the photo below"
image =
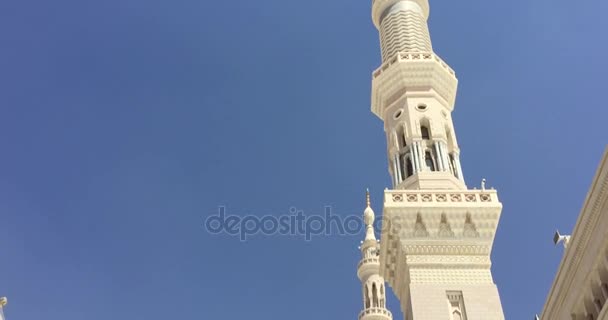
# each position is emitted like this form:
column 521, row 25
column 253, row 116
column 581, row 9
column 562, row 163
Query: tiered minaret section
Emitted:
column 437, row 235
column 368, row 271
column 414, row 93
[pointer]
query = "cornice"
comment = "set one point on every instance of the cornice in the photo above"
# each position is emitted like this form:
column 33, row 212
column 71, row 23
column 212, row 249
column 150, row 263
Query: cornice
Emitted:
column 569, row 267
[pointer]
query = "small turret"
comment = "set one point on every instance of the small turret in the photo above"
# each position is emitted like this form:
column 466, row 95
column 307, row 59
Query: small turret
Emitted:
column 368, row 271
column 368, row 217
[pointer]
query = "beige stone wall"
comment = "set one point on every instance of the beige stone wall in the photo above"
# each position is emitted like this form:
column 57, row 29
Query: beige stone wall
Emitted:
column 580, row 289
column 430, row 301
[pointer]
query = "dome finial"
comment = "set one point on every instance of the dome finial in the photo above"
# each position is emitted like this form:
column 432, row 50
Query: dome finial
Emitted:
column 368, row 213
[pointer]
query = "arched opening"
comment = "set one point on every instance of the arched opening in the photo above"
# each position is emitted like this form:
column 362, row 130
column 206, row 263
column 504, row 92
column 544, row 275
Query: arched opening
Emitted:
column 453, row 165
column 402, row 159
column 374, row 296
column 366, row 297
column 456, row 315
column 408, row 166
column 429, row 161
column 424, row 131
column 401, row 137
column 405, row 164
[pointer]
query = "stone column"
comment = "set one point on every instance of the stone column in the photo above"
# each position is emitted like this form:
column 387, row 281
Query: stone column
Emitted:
column 458, row 167
column 396, row 169
column 415, row 157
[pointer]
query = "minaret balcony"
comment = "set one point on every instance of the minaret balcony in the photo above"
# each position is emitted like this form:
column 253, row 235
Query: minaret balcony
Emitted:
column 375, row 314
column 413, row 71
column 442, row 198
column 374, row 260
column 367, row 267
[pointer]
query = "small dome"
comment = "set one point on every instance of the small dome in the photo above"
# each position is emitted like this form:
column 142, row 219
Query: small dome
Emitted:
column 369, row 216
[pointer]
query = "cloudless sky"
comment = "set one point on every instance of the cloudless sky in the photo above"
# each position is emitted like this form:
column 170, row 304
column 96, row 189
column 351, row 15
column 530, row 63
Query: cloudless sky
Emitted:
column 125, row 123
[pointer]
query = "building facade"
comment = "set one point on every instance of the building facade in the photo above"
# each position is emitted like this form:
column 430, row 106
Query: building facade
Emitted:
column 437, row 234
column 580, row 288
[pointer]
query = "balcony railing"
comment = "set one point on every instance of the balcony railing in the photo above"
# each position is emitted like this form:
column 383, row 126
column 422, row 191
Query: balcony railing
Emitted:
column 368, row 260
column 375, row 311
column 413, row 56
column 438, row 197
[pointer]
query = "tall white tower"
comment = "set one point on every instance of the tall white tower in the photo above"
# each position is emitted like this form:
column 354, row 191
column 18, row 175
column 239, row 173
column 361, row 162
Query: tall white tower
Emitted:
column 437, row 235
column 368, row 271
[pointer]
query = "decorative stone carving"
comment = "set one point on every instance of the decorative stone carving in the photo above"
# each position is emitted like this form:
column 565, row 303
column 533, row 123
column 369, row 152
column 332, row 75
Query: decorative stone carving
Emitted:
column 469, row 228
column 445, row 231
column 420, row 228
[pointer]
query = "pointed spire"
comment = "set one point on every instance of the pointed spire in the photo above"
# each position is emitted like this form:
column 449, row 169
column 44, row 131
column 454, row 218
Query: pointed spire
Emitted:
column 368, row 218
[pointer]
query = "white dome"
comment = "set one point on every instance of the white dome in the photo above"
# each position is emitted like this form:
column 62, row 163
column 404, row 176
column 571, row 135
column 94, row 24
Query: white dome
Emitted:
column 369, row 216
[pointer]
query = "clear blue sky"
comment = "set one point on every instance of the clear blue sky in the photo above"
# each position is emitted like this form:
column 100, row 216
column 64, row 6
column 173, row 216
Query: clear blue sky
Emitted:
column 124, row 123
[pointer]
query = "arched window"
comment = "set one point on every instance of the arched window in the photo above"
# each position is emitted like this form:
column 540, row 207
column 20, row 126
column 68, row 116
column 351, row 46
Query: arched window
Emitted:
column 402, row 159
column 453, row 165
column 366, row 297
column 375, row 295
column 424, row 130
column 401, row 137
column 456, row 316
column 405, row 164
column 408, row 166
column 430, row 163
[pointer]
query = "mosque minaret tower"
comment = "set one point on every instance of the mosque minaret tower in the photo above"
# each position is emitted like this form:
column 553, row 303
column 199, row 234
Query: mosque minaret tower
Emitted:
column 437, row 234
column 368, row 271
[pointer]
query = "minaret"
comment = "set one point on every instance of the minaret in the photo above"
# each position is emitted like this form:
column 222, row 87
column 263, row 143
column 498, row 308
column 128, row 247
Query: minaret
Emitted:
column 3, row 303
column 368, row 271
column 414, row 93
column 437, row 235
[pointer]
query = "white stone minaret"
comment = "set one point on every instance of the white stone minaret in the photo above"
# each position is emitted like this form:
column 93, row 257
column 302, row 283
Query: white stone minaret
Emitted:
column 437, row 235
column 3, row 302
column 368, row 271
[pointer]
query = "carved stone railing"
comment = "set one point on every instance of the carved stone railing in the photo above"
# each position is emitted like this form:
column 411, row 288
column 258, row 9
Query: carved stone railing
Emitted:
column 412, row 56
column 440, row 197
column 375, row 311
column 368, row 260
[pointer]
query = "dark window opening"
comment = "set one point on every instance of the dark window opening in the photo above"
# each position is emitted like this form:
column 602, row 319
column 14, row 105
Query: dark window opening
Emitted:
column 428, row 159
column 402, row 167
column 401, row 137
column 425, row 133
column 408, row 165
column 453, row 165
